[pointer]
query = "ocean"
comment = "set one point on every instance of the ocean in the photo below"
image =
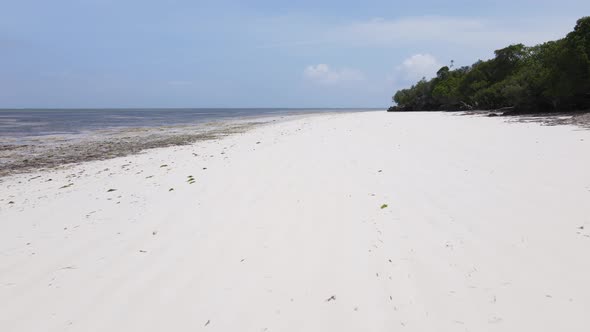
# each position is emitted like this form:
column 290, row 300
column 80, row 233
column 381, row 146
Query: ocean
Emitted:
column 16, row 123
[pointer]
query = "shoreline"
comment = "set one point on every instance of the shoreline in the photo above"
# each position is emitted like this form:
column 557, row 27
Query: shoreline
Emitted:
column 43, row 153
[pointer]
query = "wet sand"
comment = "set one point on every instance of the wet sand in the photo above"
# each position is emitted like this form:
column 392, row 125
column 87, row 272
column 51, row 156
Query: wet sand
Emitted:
column 26, row 154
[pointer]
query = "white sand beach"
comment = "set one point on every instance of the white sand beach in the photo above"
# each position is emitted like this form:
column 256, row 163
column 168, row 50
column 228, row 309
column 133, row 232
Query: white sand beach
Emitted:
column 336, row 222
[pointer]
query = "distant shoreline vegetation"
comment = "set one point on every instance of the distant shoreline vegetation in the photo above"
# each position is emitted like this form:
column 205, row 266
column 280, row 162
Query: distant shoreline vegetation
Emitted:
column 550, row 77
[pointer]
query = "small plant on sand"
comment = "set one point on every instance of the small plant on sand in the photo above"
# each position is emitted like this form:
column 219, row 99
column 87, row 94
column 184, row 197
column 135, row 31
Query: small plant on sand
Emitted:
column 384, row 206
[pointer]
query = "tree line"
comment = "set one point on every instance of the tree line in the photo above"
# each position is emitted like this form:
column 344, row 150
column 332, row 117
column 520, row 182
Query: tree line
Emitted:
column 553, row 76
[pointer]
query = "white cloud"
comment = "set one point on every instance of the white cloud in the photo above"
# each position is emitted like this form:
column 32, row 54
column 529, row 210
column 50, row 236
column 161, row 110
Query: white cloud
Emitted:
column 323, row 74
column 460, row 31
column 418, row 66
column 434, row 31
column 413, row 29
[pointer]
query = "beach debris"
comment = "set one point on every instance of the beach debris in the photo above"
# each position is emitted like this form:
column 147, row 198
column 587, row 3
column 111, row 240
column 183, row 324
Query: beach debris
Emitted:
column 243, row 259
column 331, row 298
column 208, row 322
column 162, row 166
column 154, row 232
column 67, row 185
column 143, row 251
column 257, row 142
column 11, row 202
column 171, row 189
column 68, row 268
column 581, row 227
column 111, row 190
column 380, row 171
column 384, row 206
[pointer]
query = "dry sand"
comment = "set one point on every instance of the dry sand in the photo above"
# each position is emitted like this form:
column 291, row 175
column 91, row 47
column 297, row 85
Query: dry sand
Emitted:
column 486, row 228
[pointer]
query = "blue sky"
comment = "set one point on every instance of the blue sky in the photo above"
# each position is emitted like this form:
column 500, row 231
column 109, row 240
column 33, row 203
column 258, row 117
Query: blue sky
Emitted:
column 180, row 53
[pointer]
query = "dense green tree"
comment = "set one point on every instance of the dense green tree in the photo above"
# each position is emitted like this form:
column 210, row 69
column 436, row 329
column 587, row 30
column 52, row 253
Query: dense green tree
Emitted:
column 551, row 76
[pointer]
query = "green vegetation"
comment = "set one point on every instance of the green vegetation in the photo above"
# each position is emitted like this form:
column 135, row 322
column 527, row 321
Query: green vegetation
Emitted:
column 384, row 206
column 554, row 76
